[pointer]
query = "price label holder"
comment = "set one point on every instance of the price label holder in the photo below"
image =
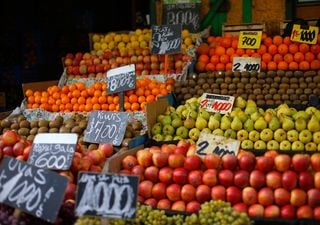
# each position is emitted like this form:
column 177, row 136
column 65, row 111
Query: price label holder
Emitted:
column 249, row 39
column 106, row 127
column 115, row 195
column 216, row 103
column 36, row 191
column 248, row 64
column 53, row 151
column 121, row 79
column 304, row 34
column 210, row 143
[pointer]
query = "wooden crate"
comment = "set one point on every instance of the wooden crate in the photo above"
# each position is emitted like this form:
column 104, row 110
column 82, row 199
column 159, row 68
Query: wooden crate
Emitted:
column 283, row 24
column 234, row 29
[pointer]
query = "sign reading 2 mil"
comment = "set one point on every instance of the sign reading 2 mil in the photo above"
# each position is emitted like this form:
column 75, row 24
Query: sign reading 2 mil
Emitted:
column 166, row 39
column 36, row 191
column 53, row 151
column 121, row 79
column 107, row 195
column 106, row 127
column 249, row 39
column 304, row 34
column 248, row 64
column 210, row 143
column 216, row 103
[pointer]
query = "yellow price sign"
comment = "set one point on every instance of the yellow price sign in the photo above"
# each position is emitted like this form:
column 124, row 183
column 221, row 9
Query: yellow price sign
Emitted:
column 304, row 34
column 249, row 39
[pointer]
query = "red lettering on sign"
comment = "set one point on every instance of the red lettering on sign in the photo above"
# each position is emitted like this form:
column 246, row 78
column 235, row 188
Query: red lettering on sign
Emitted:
column 203, row 103
column 219, row 106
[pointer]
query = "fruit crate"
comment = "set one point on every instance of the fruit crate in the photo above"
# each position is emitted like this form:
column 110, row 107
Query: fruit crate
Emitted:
column 234, row 29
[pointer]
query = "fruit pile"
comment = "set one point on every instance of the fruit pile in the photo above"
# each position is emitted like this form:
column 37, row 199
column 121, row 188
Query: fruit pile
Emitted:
column 79, row 98
column 266, row 88
column 282, row 128
column 274, row 185
column 276, row 53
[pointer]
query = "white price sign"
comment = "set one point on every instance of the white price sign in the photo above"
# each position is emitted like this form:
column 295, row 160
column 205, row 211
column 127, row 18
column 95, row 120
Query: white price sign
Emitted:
column 248, row 64
column 210, row 143
column 216, row 103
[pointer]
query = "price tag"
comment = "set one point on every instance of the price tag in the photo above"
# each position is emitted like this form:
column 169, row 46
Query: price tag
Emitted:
column 36, row 191
column 53, row 151
column 246, row 64
column 249, row 39
column 121, row 79
column 106, row 127
column 115, row 195
column 304, row 34
column 166, row 39
column 210, row 143
column 216, row 103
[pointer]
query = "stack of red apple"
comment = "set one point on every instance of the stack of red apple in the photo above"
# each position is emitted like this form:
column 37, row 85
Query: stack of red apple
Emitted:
column 272, row 186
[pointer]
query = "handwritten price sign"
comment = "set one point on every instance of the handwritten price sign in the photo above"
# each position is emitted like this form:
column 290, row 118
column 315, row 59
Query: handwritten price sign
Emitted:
column 249, row 39
column 210, row 143
column 246, row 64
column 121, row 79
column 303, row 34
column 216, row 103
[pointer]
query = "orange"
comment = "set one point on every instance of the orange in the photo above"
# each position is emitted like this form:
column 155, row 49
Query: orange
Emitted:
column 266, row 57
column 81, row 100
column 220, row 50
column 31, row 99
column 96, row 106
column 29, row 92
column 293, row 48
column 200, row 66
column 293, row 65
column 127, row 105
column 84, row 93
column 212, row 51
column 37, row 93
column 76, row 93
column 72, row 87
column 150, row 98
column 234, row 44
column 277, row 58
column 230, row 51
column 82, row 107
column 214, row 59
column 229, row 67
column 102, row 99
column 210, row 39
column 240, row 51
column 204, row 58
column 282, row 65
column 226, row 42
column 272, row 66
column 267, row 41
column 133, row 98
column 94, row 100
column 315, row 49
column 65, row 100
column 90, row 91
column 112, row 107
column 272, row 49
column 75, row 107
column 88, row 107
column 303, row 48
column 298, row 57
column 116, row 99
column 283, row 49
column 135, row 106
column 287, row 41
column 97, row 93
column 277, row 40
column 80, row 86
column 35, row 105
column 262, row 49
column 309, row 56
column 68, row 106
column 220, row 67
column 304, row 65
column 224, row 59
column 203, row 48
column 109, row 99
column 37, row 99
column 105, row 106
column 249, row 52
column 315, row 65
column 55, row 108
column 288, row 57
column 140, row 91
column 97, row 85
column 263, row 66
column 210, row 67
column 143, row 105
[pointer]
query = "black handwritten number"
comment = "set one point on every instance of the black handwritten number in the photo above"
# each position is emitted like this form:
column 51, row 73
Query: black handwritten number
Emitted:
column 249, row 41
column 221, row 151
column 307, row 35
column 250, row 67
column 203, row 145
column 236, row 67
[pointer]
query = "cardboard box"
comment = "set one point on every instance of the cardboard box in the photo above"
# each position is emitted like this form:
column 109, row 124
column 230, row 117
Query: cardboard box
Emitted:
column 39, row 86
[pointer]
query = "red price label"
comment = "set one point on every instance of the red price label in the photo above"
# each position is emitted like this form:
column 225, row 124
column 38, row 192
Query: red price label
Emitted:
column 216, row 103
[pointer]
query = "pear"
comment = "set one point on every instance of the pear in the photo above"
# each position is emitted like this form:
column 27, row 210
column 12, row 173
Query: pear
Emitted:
column 213, row 123
column 260, row 124
column 254, row 116
column 301, row 113
column 225, row 123
column 248, row 125
column 180, row 108
column 317, row 114
column 274, row 123
column 268, row 116
column 204, row 114
column 287, row 123
column 300, row 124
column 242, row 116
column 261, row 111
column 311, row 110
column 250, row 103
column 313, row 124
column 240, row 102
column 169, row 110
column 233, row 113
column 293, row 110
column 236, row 124
column 250, row 109
column 283, row 109
column 217, row 116
column 201, row 123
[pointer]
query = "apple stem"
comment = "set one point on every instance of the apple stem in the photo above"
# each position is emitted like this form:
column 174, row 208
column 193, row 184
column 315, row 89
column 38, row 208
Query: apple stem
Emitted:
column 17, row 213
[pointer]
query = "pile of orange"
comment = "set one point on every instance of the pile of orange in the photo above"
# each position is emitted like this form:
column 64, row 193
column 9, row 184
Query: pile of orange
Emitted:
column 79, row 98
column 277, row 53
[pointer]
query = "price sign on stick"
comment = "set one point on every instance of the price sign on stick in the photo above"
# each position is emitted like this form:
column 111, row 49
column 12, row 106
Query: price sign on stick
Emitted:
column 106, row 127
column 53, row 151
column 304, row 34
column 249, row 39
column 216, row 103
column 248, row 64
column 210, row 143
column 36, row 191
column 107, row 195
column 121, row 79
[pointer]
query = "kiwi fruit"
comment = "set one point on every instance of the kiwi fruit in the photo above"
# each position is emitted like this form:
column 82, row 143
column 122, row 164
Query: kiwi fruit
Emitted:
column 277, row 79
column 256, row 86
column 184, row 90
column 201, row 81
column 223, row 86
column 231, row 92
column 288, row 73
column 310, row 73
column 34, row 123
column 216, row 91
column 215, row 85
column 43, row 130
column 316, row 79
column 54, row 124
column 14, row 126
column 312, row 85
column 269, row 80
column 308, row 79
column 83, row 124
column 5, row 123
column 316, row 91
column 199, row 92
column 76, row 129
column 224, row 91
column 269, row 102
column 268, row 96
column 271, row 74
column 273, row 91
column 260, row 97
column 261, row 81
column 228, row 73
column 308, row 91
column 236, row 80
column 256, row 91
column 282, row 91
column 34, row 131
column 290, row 91
column 284, row 86
column 294, row 86
column 30, row 137
column 23, row 131
column 210, row 81
column 244, row 96
column 244, row 80
column 205, row 86
column 239, row 91
column 240, row 85
column 262, row 75
column 232, row 86
column 285, row 97
column 248, row 86
column 64, row 129
column 192, row 83
column 228, row 80
column 251, row 96
column 24, row 123
column 54, row 130
column 299, row 91
column 219, row 80
column 276, row 97
column 285, row 80
column 261, row 102
column 236, row 74
column 298, row 73
column 43, row 123
column 303, row 97
column 303, row 85
column 294, row 97
column 274, row 85
column 265, row 91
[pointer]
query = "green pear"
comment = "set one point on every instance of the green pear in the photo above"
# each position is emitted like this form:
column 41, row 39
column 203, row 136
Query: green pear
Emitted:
column 169, row 110
column 225, row 123
column 248, row 125
column 189, row 123
column 174, row 115
column 217, row 116
column 230, row 133
column 236, row 124
column 193, row 114
column 293, row 110
column 206, row 130
column 300, row 124
column 218, row 132
column 283, row 109
column 201, row 123
column 311, row 110
column 179, row 109
column 204, row 114
column 213, row 123
column 287, row 123
column 254, row 116
column 301, row 113
column 274, row 123
column 313, row 124
column 268, row 116
column 261, row 111
column 242, row 116
column 250, row 109
column 317, row 114
column 233, row 113
column 260, row 124
column 250, row 103
column 240, row 102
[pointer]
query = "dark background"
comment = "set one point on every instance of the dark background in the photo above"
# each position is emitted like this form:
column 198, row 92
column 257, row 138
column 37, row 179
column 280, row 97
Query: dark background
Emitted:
column 35, row 35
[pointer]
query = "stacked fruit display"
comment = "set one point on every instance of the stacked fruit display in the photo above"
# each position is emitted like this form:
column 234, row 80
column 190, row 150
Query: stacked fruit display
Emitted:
column 266, row 88
column 282, row 128
column 276, row 53
column 273, row 185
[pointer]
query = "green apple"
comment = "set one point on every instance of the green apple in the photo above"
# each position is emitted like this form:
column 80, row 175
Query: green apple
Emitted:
column 177, row 138
column 266, row 134
column 311, row 146
column 159, row 118
column 292, row 135
column 157, row 137
column 168, row 138
column 280, row 135
column 297, row 146
column 174, row 115
column 260, row 145
column 285, row 145
column 194, row 133
column 305, row 136
column 182, row 132
column 166, row 120
column 176, row 122
column 316, row 137
column 168, row 130
column 247, row 145
column 156, row 129
column 254, row 135
column 273, row 145
column 193, row 114
column 242, row 135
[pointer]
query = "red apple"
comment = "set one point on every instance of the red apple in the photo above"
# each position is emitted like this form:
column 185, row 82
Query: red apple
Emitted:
column 306, row 180
column 225, row 177
column 166, row 175
column 176, row 160
column 128, row 162
column 151, row 173
column 249, row 195
column 139, row 171
column 8, row 150
column 69, row 56
column 181, row 150
column 229, row 161
column 233, row 195
column 288, row 212
column 178, row 206
column 160, row 159
column 107, row 149
column 265, row 196
column 173, row 192
column 282, row 162
column 304, row 212
column 145, row 189
column 315, row 161
column 271, row 153
column 209, row 177
column 86, row 163
column 95, row 168
column 154, row 149
column 241, row 178
column 159, row 191
column 274, row 179
column 289, row 179
column 257, row 179
column 180, row 176
column 164, row 204
column 317, row 179
column 272, row 211
column 18, row 148
column 298, row 197
column 193, row 207
column 75, row 70
column 316, row 213
column 144, row 158
column 203, row 193
column 218, row 193
column 195, row 177
column 20, row 157
column 185, row 143
column 188, row 193
column 168, row 148
column 70, row 191
column 264, row 163
column 247, row 162
column 9, row 137
column 125, row 171
column 151, row 202
column 240, row 207
column 313, row 197
column 282, row 196
column 256, row 210
column 212, row 161
column 192, row 150
column 300, row 162
column 68, row 174
column 96, row 157
column 192, row 162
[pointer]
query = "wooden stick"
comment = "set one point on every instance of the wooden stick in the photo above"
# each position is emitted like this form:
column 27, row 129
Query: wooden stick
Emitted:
column 166, row 64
